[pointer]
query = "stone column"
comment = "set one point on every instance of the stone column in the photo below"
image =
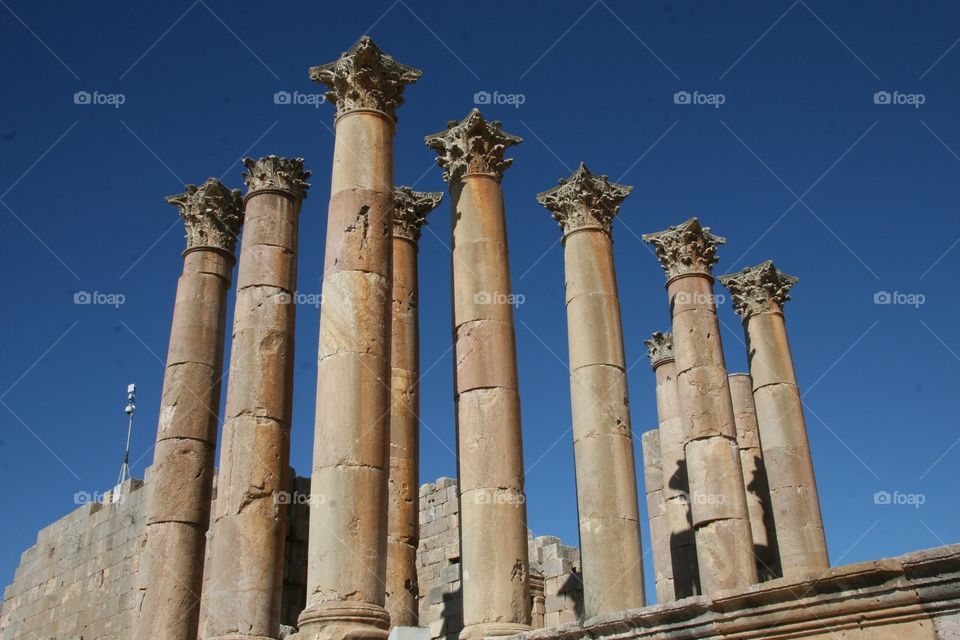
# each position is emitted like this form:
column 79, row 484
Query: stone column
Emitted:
column 493, row 512
column 246, row 578
column 585, row 205
column 673, row 467
column 758, row 296
column 348, row 516
column 721, row 521
column 181, row 478
column 754, row 477
column 657, row 511
column 403, row 525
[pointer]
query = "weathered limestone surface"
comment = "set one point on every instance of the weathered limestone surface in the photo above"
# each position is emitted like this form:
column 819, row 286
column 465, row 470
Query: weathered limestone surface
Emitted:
column 721, row 521
column 348, row 517
column 493, row 516
column 657, row 514
column 243, row 591
column 758, row 296
column 678, row 522
column 79, row 580
column 915, row 596
column 585, row 205
column 755, row 478
column 409, row 214
column 179, row 507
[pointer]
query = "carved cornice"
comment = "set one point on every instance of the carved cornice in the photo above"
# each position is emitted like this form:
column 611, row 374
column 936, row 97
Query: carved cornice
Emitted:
column 365, row 78
column 759, row 289
column 473, row 145
column 272, row 173
column 410, row 209
column 685, row 248
column 660, row 348
column 584, row 201
column 212, row 215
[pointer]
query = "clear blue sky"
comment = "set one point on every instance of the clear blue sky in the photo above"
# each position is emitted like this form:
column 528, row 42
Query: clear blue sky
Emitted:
column 798, row 164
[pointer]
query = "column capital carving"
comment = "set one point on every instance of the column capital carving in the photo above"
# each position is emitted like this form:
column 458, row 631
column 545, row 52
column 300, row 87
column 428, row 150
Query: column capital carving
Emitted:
column 660, row 348
column 410, row 209
column 212, row 215
column 585, row 200
column 472, row 145
column 272, row 173
column 685, row 248
column 759, row 289
column 364, row 77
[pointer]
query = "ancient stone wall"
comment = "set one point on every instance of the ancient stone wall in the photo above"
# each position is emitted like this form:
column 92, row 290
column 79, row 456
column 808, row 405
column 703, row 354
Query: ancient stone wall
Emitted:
column 80, row 580
column 553, row 565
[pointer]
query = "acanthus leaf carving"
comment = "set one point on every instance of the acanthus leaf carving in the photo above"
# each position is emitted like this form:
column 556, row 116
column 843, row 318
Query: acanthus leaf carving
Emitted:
column 759, row 289
column 685, row 248
column 212, row 214
column 585, row 200
column 272, row 173
column 410, row 209
column 472, row 145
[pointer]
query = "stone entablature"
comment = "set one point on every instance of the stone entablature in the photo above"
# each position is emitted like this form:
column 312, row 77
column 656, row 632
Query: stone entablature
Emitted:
column 915, row 596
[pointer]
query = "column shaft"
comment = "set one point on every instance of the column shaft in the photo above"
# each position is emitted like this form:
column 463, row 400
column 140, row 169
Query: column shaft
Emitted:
column 493, row 514
column 676, row 490
column 403, row 518
column 656, row 509
column 754, row 477
column 246, row 580
column 786, row 451
column 348, row 514
column 721, row 520
column 181, row 478
column 603, row 443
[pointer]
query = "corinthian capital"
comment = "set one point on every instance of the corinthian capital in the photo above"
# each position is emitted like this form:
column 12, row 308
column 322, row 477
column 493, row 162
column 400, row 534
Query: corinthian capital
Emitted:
column 685, row 248
column 659, row 348
column 473, row 145
column 584, row 201
column 758, row 289
column 410, row 209
column 272, row 173
column 212, row 215
column 365, row 78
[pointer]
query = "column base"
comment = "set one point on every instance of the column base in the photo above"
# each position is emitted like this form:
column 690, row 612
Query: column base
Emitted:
column 492, row 630
column 339, row 620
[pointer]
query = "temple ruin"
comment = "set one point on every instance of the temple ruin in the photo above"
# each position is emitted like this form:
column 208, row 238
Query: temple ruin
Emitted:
column 247, row 550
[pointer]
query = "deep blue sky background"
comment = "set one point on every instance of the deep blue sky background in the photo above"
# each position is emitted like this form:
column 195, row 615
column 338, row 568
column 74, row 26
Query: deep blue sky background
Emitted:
column 82, row 186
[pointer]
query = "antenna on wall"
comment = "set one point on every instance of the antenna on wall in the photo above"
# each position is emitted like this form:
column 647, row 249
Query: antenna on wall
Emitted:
column 129, row 410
